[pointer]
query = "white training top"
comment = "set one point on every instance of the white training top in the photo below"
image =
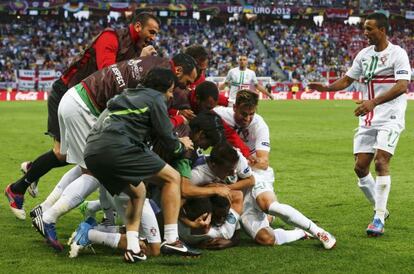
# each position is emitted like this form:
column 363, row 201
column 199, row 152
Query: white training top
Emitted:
column 379, row 72
column 255, row 135
column 202, row 174
column 240, row 79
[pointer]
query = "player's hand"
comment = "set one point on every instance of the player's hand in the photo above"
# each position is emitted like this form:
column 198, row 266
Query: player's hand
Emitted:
column 223, row 191
column 143, row 247
column 148, row 51
column 316, row 86
column 252, row 160
column 187, row 113
column 203, row 221
column 365, row 106
column 186, row 141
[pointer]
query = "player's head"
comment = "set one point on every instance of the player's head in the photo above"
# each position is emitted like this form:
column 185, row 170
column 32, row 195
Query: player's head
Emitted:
column 147, row 26
column 206, row 95
column 200, row 55
column 376, row 27
column 242, row 62
column 185, row 69
column 220, row 209
column 160, row 79
column 206, row 129
column 245, row 107
column 195, row 207
column 223, row 160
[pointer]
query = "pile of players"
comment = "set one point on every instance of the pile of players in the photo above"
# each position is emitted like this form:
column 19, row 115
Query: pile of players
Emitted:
column 135, row 127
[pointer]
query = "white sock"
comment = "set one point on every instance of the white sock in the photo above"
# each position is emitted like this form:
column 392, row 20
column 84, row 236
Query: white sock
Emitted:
column 66, row 179
column 71, row 197
column 287, row 236
column 367, row 186
column 292, row 216
column 133, row 241
column 227, row 229
column 170, row 233
column 104, row 238
column 382, row 190
column 94, row 206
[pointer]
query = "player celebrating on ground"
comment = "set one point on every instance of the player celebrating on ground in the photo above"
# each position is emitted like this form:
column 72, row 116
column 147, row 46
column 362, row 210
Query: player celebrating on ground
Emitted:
column 262, row 199
column 385, row 69
column 242, row 78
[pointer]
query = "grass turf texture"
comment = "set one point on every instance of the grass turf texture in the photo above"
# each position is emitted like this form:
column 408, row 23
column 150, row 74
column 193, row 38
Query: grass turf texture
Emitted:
column 312, row 156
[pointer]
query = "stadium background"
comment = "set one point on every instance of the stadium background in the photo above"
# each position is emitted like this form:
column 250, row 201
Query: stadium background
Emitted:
column 311, row 140
column 288, row 43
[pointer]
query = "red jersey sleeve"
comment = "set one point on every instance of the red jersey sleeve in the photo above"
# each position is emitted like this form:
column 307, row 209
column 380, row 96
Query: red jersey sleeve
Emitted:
column 106, row 48
column 223, row 100
column 234, row 139
column 177, row 120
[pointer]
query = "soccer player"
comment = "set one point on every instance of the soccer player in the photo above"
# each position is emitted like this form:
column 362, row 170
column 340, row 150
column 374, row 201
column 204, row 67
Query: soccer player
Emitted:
column 117, row 154
column 109, row 47
column 78, row 112
column 386, row 72
column 242, row 78
column 262, row 199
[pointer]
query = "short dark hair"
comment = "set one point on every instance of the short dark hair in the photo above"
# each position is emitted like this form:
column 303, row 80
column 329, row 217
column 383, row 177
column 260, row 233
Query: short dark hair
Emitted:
column 380, row 19
column 185, row 61
column 198, row 52
column 224, row 154
column 195, row 207
column 159, row 79
column 247, row 97
column 143, row 17
column 211, row 124
column 207, row 89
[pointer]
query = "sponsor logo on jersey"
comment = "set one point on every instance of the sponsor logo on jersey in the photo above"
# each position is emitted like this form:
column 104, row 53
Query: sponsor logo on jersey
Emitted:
column 246, row 170
column 266, row 144
column 402, row 72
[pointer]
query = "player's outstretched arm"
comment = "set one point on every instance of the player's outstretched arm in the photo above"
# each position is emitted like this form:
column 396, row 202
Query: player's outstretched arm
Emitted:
column 263, row 90
column 339, row 84
column 367, row 106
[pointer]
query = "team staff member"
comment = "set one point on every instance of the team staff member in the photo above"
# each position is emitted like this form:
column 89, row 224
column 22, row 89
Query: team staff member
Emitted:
column 109, row 47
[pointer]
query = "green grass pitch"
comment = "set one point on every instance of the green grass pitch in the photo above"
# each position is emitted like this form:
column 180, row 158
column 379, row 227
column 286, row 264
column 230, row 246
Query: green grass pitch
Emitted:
column 312, row 156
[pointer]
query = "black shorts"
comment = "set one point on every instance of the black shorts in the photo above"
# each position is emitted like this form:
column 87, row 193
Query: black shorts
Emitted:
column 116, row 167
column 58, row 90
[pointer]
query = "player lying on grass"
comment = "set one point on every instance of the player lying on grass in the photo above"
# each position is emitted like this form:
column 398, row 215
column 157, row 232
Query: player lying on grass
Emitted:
column 204, row 223
column 261, row 199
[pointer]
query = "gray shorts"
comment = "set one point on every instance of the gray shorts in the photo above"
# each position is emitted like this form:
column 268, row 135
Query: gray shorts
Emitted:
column 117, row 164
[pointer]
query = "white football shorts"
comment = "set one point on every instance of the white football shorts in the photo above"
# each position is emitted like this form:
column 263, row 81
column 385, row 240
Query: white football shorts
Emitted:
column 368, row 140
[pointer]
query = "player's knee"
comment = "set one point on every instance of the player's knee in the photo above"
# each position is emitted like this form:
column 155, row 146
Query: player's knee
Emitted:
column 381, row 165
column 265, row 237
column 361, row 170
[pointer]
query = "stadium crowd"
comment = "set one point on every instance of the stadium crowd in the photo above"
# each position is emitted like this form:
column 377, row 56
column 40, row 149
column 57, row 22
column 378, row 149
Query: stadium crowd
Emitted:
column 303, row 50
